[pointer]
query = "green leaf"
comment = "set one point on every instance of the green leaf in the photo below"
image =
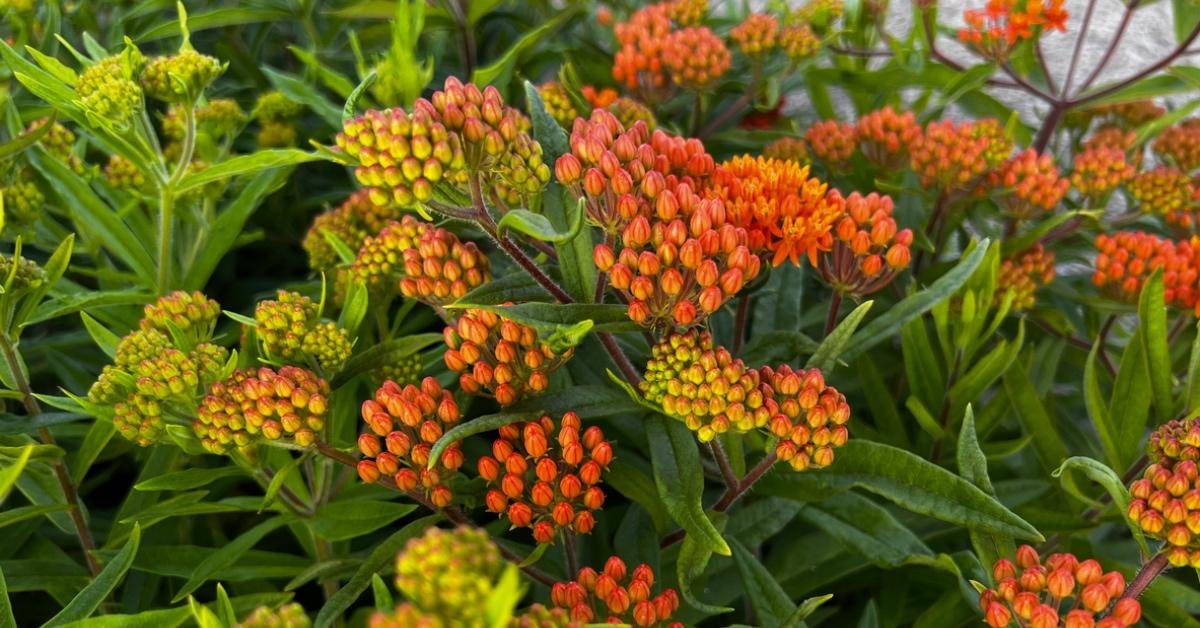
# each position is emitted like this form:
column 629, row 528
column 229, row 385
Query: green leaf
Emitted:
column 1152, row 317
column 11, row 148
column 631, row 482
column 24, row 513
column 562, row 319
column 1191, row 398
column 70, row 303
column 305, row 94
column 1032, row 413
column 865, row 528
column 90, row 598
column 1103, row 475
column 693, row 559
column 1030, row 237
column 225, row 610
column 228, row 555
column 832, row 346
column 972, row 466
column 538, row 226
column 771, row 604
column 245, row 164
column 383, row 354
column 202, row 615
column 907, row 480
column 383, row 595
column 1129, row 405
column 338, row 521
column 886, row 326
column 105, row 339
column 352, row 100
column 806, row 608
column 504, row 597
column 512, row 287
column 1097, row 407
column 7, row 620
column 97, row 438
column 277, row 481
column 499, row 72
column 10, row 473
column 680, row 480
column 186, row 480
column 379, row 557
column 575, row 262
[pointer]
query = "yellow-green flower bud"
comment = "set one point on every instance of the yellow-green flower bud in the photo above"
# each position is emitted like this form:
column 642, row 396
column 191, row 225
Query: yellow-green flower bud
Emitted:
column 28, row 274
column 181, row 77
column 107, row 89
column 274, row 106
column 23, row 200
column 287, row 616
column 123, row 175
column 276, row 134
column 450, row 573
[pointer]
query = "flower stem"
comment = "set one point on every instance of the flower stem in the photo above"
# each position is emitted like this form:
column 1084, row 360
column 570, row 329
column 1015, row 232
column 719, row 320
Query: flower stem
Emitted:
column 732, row 494
column 1146, row 575
column 84, row 533
column 835, row 305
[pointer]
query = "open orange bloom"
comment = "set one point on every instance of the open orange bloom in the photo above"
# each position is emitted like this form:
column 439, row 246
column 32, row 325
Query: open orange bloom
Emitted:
column 782, row 208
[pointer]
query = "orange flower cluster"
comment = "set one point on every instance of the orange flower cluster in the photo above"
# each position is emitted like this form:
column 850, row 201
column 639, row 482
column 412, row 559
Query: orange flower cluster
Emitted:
column 401, row 156
column 602, row 98
column 712, row 393
column 605, row 597
column 1028, row 184
column 832, row 142
column 695, row 57
column 687, row 12
column 1181, row 144
column 1032, row 592
column 1023, row 273
column 1126, row 259
column 756, row 35
column 954, row 157
column 996, row 29
column 1163, row 190
column 799, row 42
column 638, row 63
column 290, row 402
column 787, row 149
column 885, row 136
column 1166, row 499
column 675, row 271
column 404, row 423
column 543, row 487
column 500, row 358
column 784, row 210
column 868, row 251
column 1098, row 171
column 422, row 261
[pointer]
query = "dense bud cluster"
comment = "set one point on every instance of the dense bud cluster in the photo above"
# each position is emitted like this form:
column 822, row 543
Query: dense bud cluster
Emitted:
column 885, row 136
column 401, row 156
column 23, row 200
column 1032, row 592
column 695, row 57
column 290, row 330
column 540, row 616
column 1130, row 114
column 151, row 373
column 275, row 112
column 352, row 222
column 617, row 596
column 1181, row 144
column 799, row 42
column 497, row 357
column 450, row 574
column 1023, row 273
column 180, row 77
column 217, row 118
column 756, row 35
column 1098, row 171
column 558, row 103
column 289, row 615
column 26, row 276
column 441, row 268
column 405, row 615
column 1028, row 184
column 1166, row 499
column 403, row 424
column 638, row 63
column 122, row 174
column 545, row 477
column 832, row 142
column 712, row 393
column 996, row 30
column 784, row 211
column 1116, row 138
column 1163, row 190
column 107, row 89
column 868, row 251
column 403, row 371
column 602, row 98
column 686, row 12
column 953, row 157
column 59, row 143
column 290, row 403
column 1125, row 260
column 787, row 149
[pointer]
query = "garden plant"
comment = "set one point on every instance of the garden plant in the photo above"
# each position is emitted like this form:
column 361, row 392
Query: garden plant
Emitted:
column 550, row 313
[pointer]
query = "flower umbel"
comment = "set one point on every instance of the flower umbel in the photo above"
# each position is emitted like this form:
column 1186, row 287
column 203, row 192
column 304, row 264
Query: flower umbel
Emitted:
column 616, row 595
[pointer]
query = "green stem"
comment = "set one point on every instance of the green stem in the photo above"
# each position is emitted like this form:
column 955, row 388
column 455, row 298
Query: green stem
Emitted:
column 86, row 542
column 166, row 215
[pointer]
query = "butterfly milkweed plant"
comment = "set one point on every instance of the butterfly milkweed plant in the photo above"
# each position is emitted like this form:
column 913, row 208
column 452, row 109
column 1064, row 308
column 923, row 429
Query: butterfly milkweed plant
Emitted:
column 562, row 313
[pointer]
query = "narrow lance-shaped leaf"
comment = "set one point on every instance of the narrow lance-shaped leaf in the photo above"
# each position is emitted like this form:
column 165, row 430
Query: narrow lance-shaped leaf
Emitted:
column 90, row 598
column 1152, row 319
column 680, row 480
